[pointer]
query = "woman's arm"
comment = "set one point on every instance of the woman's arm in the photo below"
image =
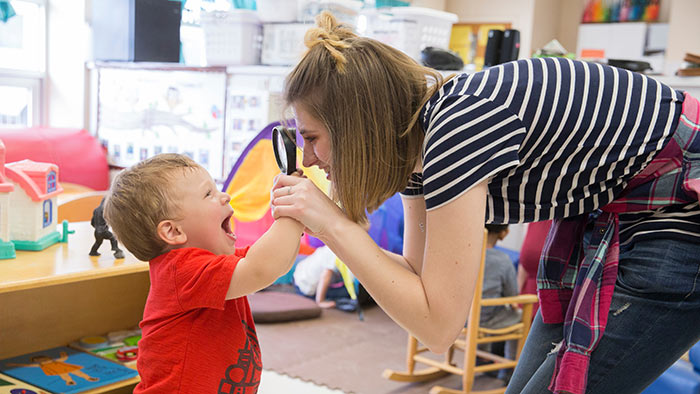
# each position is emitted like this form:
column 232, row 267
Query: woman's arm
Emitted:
column 413, row 241
column 414, row 219
column 433, row 304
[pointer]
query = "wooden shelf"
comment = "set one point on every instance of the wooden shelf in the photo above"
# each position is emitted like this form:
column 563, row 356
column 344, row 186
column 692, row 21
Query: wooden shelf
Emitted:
column 55, row 296
column 64, row 263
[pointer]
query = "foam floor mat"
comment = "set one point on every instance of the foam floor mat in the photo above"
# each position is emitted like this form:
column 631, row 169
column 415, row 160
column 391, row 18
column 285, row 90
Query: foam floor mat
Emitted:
column 341, row 352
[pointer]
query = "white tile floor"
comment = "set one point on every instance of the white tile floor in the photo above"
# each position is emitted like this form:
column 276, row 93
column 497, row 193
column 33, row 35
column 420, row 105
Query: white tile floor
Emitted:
column 274, row 383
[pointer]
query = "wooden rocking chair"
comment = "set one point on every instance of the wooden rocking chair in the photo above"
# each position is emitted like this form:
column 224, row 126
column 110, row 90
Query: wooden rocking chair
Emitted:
column 471, row 336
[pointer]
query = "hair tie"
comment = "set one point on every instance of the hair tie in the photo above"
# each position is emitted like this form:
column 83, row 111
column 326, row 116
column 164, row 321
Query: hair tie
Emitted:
column 332, row 36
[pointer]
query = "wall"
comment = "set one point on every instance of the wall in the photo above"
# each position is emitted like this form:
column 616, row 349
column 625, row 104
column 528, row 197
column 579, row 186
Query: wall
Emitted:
column 684, row 31
column 539, row 21
column 434, row 4
column 67, row 43
column 569, row 19
column 515, row 237
column 546, row 23
column 518, row 12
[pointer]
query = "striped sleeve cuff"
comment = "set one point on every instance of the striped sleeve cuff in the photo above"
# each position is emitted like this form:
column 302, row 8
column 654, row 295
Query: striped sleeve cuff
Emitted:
column 415, row 185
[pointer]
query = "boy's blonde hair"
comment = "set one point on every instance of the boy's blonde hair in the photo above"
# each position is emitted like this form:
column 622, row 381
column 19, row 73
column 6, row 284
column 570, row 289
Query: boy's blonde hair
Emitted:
column 368, row 95
column 140, row 198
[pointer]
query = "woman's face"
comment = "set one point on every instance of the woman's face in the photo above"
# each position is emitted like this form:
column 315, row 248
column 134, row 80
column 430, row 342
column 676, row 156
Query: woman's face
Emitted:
column 317, row 142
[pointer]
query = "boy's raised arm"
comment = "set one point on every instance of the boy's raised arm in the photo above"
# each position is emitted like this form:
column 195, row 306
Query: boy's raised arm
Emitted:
column 268, row 258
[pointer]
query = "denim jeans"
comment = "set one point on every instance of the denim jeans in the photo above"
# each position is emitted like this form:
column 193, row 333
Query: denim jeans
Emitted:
column 654, row 318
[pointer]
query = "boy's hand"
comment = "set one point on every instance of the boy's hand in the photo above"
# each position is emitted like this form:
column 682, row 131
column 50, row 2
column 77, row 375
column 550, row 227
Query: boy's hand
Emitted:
column 301, row 199
column 297, row 173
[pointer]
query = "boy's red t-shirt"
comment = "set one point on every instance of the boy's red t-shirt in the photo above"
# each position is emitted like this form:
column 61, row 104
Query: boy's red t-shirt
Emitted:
column 194, row 340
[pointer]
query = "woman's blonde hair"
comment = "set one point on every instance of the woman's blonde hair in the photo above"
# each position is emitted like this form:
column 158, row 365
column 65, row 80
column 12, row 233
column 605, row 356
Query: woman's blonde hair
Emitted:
column 141, row 197
column 368, row 95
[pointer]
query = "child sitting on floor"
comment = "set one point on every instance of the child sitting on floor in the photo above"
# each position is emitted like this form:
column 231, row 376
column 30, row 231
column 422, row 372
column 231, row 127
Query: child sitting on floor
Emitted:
column 317, row 277
column 198, row 331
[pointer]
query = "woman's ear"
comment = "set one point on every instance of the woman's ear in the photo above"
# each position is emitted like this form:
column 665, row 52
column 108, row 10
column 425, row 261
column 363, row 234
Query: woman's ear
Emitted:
column 171, row 233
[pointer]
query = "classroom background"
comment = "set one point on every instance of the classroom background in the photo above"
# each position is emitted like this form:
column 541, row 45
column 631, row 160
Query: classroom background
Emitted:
column 89, row 87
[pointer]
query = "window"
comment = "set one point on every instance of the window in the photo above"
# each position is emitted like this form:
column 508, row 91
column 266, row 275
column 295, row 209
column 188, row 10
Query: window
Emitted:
column 51, row 182
column 23, row 64
column 48, row 211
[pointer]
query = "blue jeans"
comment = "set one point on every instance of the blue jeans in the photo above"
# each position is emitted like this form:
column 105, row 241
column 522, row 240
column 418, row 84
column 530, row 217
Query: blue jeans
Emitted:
column 654, row 318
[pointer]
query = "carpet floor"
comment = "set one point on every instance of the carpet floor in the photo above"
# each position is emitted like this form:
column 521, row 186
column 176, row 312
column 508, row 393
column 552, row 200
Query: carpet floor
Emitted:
column 341, row 352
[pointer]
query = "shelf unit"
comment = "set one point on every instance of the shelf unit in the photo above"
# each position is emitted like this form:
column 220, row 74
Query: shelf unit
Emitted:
column 53, row 297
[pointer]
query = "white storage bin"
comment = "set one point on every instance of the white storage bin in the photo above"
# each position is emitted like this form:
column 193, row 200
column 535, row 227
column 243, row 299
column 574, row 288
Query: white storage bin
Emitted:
column 411, row 29
column 283, row 43
column 278, row 10
column 232, row 37
column 345, row 11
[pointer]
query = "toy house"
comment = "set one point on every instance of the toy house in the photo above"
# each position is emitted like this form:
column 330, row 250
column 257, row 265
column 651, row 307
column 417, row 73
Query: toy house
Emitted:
column 34, row 207
column 7, row 248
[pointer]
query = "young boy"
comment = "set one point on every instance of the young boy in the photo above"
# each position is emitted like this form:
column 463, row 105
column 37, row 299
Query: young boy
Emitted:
column 198, row 331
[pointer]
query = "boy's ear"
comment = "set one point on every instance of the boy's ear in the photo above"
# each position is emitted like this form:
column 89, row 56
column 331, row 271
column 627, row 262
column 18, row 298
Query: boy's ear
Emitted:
column 171, row 233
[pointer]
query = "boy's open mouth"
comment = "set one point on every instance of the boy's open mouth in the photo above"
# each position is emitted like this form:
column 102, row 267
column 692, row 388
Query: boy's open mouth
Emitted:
column 226, row 226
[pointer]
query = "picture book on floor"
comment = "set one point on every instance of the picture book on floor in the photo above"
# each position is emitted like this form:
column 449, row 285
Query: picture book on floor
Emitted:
column 119, row 346
column 64, row 370
column 9, row 385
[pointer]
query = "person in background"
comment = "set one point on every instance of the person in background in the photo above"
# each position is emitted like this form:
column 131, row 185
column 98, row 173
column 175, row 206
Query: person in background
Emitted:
column 316, row 276
column 198, row 330
column 529, row 261
column 499, row 281
column 611, row 156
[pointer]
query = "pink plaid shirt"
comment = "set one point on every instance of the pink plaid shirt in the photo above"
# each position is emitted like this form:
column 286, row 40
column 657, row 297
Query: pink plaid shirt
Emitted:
column 575, row 285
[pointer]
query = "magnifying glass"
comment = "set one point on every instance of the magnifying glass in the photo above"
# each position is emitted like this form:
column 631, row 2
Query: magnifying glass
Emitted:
column 283, row 143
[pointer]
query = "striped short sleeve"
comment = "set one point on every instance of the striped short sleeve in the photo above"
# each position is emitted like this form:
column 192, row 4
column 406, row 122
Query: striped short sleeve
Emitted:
column 469, row 139
column 415, row 186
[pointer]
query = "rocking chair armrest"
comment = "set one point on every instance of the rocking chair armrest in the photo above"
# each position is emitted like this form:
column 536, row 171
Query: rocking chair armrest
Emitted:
column 519, row 299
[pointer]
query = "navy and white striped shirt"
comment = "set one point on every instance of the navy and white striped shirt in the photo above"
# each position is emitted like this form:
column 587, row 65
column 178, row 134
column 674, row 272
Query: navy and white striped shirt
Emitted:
column 555, row 137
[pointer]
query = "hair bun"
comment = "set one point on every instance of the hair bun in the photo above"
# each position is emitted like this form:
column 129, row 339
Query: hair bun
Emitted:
column 332, row 35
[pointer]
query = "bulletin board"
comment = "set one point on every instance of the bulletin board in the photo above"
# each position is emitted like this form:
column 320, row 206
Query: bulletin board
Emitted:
column 142, row 113
column 468, row 40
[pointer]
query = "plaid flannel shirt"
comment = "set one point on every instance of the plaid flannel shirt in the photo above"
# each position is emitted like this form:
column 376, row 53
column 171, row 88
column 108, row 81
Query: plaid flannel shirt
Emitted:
column 576, row 284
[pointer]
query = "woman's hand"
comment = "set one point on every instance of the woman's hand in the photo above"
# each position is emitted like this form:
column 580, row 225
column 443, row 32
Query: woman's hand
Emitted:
column 300, row 199
column 298, row 173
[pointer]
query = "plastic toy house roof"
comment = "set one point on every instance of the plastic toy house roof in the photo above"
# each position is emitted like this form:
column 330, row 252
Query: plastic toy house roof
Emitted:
column 5, row 185
column 31, row 176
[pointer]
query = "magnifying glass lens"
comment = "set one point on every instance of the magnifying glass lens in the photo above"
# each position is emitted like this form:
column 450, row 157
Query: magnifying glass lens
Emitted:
column 283, row 153
column 285, row 149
